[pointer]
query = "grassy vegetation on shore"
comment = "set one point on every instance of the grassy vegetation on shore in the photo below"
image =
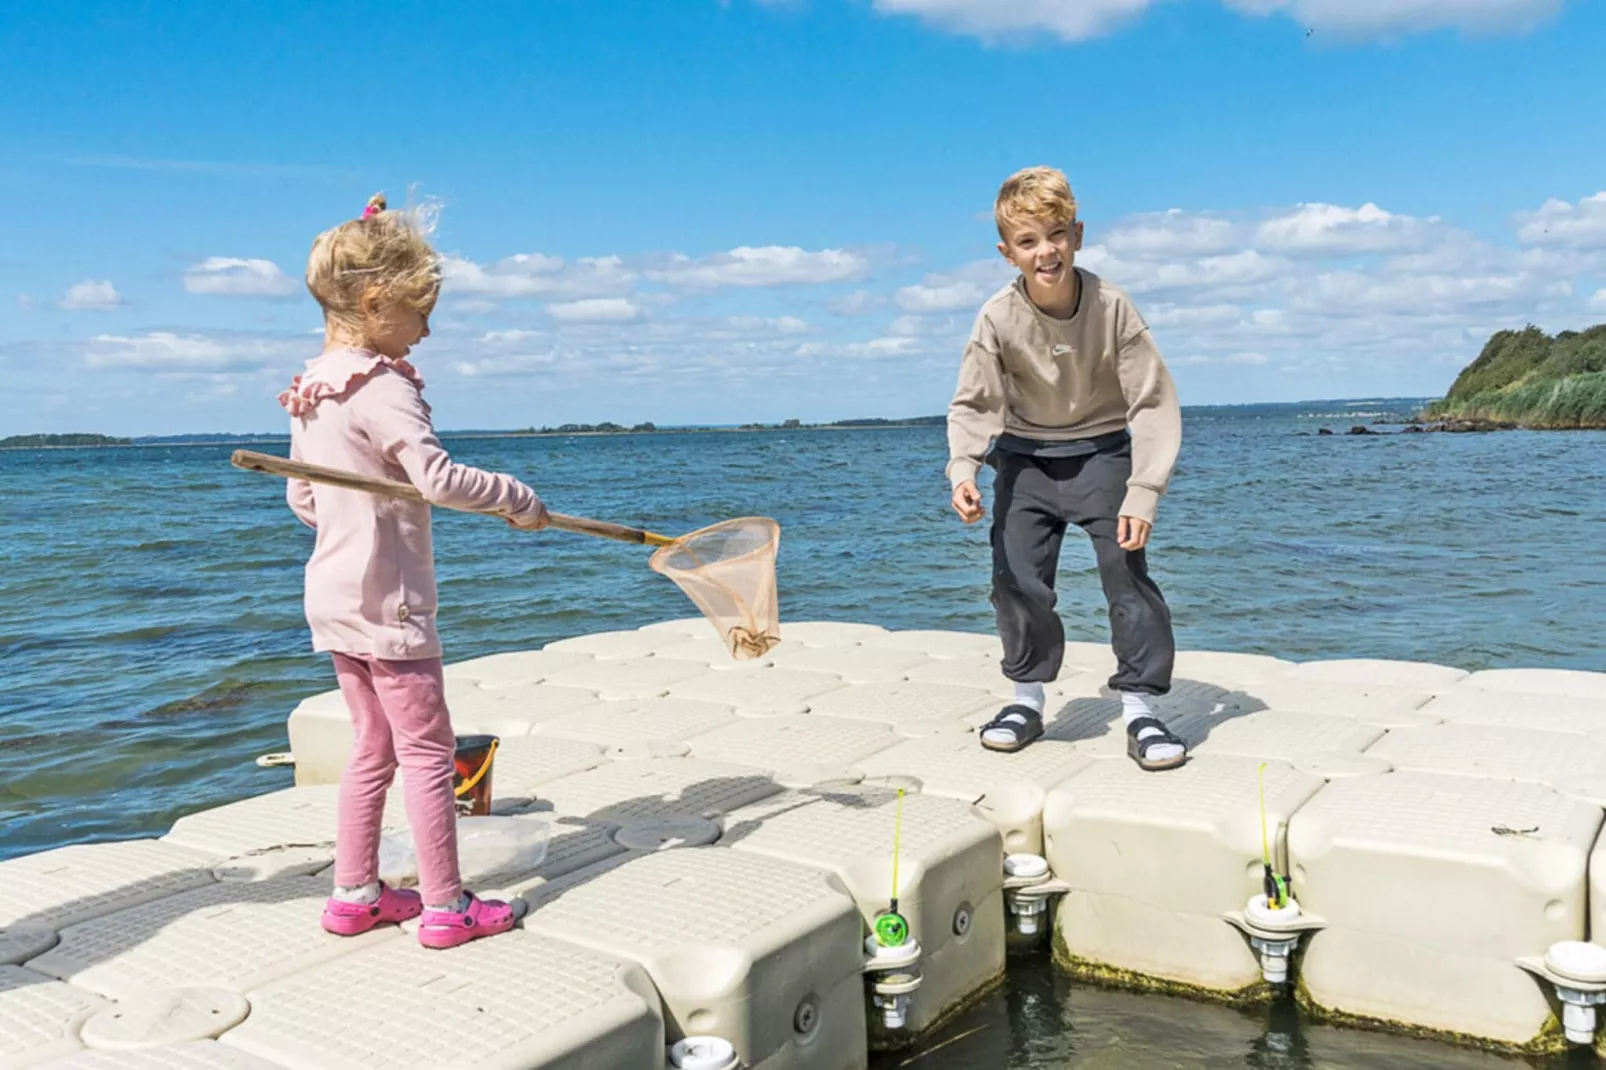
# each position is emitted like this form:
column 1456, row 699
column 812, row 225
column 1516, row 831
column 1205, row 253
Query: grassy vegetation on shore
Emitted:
column 1530, row 378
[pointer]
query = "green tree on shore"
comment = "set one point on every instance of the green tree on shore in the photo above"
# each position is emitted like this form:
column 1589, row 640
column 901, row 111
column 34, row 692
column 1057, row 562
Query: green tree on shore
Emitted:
column 1531, row 378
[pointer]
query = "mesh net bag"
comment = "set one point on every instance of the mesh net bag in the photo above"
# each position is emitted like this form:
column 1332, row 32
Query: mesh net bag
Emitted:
column 729, row 571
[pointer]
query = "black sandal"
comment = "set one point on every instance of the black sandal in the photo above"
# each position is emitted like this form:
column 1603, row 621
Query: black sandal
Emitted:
column 1022, row 722
column 1138, row 749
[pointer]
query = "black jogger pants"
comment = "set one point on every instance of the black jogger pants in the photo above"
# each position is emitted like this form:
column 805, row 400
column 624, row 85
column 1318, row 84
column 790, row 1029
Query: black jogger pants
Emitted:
column 1034, row 500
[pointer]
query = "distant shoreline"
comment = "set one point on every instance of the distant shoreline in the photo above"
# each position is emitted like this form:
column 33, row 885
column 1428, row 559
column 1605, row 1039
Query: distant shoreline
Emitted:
column 606, row 430
column 159, row 442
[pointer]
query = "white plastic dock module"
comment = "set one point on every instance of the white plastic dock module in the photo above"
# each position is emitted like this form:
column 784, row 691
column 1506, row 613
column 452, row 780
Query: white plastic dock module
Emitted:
column 1547, row 713
column 518, row 1001
column 40, row 1018
column 950, row 875
column 761, row 952
column 1155, row 859
column 1431, row 887
column 616, row 723
column 1007, row 789
column 799, row 747
column 658, row 787
column 1494, row 751
column 58, row 888
column 195, row 1055
column 912, row 709
column 515, row 669
column 232, row 935
column 320, row 727
column 1314, row 742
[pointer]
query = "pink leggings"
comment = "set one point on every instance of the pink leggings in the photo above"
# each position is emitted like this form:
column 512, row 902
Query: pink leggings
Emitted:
column 398, row 712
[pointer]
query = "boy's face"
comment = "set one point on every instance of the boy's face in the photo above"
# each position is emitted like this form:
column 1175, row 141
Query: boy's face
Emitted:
column 1044, row 250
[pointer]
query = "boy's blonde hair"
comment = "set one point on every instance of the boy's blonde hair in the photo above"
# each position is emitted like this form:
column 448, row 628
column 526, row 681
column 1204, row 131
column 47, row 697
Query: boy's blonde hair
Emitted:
column 1034, row 193
column 383, row 252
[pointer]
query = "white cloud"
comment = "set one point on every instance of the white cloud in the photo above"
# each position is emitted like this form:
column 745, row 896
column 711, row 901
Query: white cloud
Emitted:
column 1196, row 360
column 1072, row 20
column 92, row 295
column 857, row 303
column 227, row 276
column 167, row 351
column 1581, row 225
column 536, row 275
column 27, row 303
column 769, row 265
column 1390, row 17
column 1329, row 229
column 1174, row 233
column 1076, row 20
column 1598, row 302
column 966, row 287
column 596, row 310
column 767, row 324
column 882, row 347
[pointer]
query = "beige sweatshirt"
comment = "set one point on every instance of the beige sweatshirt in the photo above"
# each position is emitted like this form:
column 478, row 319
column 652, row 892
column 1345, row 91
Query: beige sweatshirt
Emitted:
column 1029, row 374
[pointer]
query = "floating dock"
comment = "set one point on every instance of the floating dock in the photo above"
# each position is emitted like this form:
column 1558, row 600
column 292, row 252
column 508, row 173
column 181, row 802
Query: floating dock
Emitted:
column 722, row 842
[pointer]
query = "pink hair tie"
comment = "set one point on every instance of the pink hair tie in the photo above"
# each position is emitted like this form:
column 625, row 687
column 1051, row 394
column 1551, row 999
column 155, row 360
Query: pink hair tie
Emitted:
column 372, row 209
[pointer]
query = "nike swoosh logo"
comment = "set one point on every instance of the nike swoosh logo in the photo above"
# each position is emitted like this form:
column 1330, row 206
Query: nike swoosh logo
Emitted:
column 1060, row 351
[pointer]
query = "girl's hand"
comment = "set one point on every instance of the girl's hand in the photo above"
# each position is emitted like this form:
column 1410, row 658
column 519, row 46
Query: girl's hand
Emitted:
column 1132, row 533
column 534, row 520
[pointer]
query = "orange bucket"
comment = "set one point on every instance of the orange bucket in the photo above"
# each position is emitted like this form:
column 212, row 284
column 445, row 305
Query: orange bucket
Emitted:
column 471, row 774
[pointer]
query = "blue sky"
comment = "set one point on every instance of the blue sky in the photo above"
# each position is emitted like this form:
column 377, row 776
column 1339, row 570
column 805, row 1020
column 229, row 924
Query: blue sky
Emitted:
column 711, row 212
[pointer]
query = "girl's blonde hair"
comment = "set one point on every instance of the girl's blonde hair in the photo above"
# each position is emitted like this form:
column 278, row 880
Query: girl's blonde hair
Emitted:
column 383, row 253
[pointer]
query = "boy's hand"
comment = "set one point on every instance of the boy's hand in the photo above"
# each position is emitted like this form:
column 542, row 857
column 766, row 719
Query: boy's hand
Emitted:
column 967, row 502
column 1132, row 533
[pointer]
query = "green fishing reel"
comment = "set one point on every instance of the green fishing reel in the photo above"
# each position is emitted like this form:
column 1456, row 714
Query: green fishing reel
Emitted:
column 891, row 930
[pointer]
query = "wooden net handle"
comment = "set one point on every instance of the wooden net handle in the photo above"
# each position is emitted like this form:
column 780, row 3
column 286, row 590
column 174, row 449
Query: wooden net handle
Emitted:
column 390, row 488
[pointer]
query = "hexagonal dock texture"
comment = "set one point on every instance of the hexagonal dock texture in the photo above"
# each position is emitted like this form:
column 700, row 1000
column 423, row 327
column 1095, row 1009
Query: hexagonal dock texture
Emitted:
column 1431, row 887
column 759, row 951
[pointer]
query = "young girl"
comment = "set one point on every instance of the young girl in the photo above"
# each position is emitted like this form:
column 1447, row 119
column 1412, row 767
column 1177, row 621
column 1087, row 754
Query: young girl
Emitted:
column 370, row 584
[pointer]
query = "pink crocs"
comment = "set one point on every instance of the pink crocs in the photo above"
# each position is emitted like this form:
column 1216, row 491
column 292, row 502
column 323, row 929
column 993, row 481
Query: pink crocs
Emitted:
column 349, row 919
column 484, row 917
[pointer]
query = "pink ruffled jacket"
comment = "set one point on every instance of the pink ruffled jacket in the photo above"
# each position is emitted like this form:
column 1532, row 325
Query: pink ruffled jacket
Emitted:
column 370, row 583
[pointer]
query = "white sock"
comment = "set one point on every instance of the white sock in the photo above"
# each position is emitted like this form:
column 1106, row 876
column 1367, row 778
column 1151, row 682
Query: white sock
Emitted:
column 1030, row 695
column 456, row 907
column 1134, row 706
column 365, row 894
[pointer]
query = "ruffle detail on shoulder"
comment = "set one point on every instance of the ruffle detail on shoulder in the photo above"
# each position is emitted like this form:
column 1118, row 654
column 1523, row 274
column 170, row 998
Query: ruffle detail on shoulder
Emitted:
column 335, row 374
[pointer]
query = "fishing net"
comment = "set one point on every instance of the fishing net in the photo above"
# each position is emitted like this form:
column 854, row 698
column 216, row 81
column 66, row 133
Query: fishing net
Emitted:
column 729, row 571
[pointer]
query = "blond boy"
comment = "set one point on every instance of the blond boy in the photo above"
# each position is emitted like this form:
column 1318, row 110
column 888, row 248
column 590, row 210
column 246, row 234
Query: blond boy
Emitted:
column 1062, row 391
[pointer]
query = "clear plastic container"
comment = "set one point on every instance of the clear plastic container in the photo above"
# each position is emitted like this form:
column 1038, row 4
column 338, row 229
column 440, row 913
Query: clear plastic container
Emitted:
column 492, row 846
